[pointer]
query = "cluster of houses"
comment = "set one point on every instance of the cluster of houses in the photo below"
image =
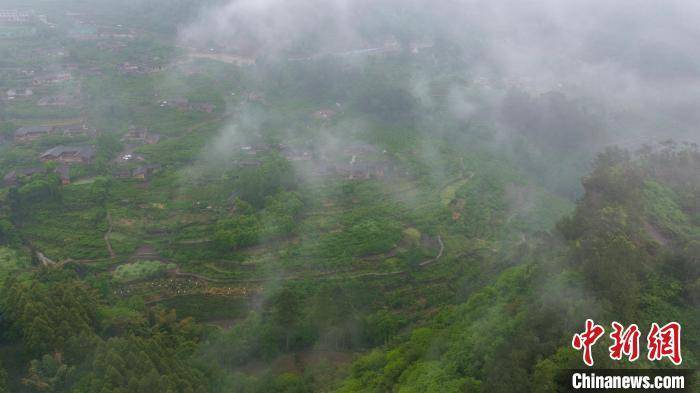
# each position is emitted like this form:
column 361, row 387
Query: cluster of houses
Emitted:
column 69, row 155
column 357, row 168
column 12, row 178
column 16, row 17
column 142, row 172
column 59, row 100
column 63, row 156
column 87, row 30
column 134, row 137
column 31, row 133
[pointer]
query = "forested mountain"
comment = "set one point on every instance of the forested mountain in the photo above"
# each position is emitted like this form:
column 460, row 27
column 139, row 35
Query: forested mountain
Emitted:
column 628, row 253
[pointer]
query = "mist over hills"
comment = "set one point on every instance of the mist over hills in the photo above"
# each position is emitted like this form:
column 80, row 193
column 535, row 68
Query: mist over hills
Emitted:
column 341, row 195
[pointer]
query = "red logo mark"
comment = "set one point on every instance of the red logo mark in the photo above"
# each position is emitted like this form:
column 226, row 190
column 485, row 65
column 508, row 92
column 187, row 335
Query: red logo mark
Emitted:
column 626, row 342
column 665, row 342
column 587, row 339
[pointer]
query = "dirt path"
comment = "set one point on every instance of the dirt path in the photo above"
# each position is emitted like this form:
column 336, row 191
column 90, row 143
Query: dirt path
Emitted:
column 46, row 261
column 448, row 191
column 112, row 255
column 324, row 275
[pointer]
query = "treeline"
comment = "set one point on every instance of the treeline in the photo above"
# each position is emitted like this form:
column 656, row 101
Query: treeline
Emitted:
column 78, row 343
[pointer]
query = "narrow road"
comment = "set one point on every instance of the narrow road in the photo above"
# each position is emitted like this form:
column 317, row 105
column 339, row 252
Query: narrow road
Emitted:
column 325, row 275
column 112, row 255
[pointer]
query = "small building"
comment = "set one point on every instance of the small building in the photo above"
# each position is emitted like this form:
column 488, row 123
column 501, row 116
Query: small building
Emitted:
column 135, row 133
column 63, row 172
column 129, row 69
column 59, row 100
column 115, row 33
column 179, row 103
column 77, row 130
column 15, row 17
column 359, row 149
column 52, row 79
column 32, row 133
column 204, row 107
column 11, row 177
column 151, row 139
column 145, row 171
column 255, row 97
column 324, row 114
column 359, row 171
column 12, row 94
column 249, row 163
column 122, row 173
column 141, row 135
column 69, row 155
column 296, row 154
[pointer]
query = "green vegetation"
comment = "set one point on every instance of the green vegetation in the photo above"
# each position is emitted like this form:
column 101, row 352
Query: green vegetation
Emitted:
column 313, row 221
column 140, row 270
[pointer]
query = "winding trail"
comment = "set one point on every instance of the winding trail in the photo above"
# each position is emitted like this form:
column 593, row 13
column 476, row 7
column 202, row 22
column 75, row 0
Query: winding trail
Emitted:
column 112, row 255
column 335, row 274
column 46, row 261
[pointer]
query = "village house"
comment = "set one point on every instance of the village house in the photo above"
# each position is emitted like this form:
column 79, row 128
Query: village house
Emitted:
column 249, row 163
column 145, row 171
column 135, row 69
column 128, row 155
column 391, row 44
column 115, row 33
column 295, row 154
column 112, row 46
column 60, row 100
column 179, row 103
column 77, row 130
column 12, row 177
column 12, row 94
column 135, row 134
column 152, row 139
column 324, row 114
column 69, row 155
column 129, row 69
column 204, row 107
column 52, row 79
column 255, row 97
column 32, row 133
column 355, row 171
column 15, row 17
column 184, row 104
column 63, row 172
column 122, row 173
column 417, row 46
column 359, row 149
column 141, row 135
